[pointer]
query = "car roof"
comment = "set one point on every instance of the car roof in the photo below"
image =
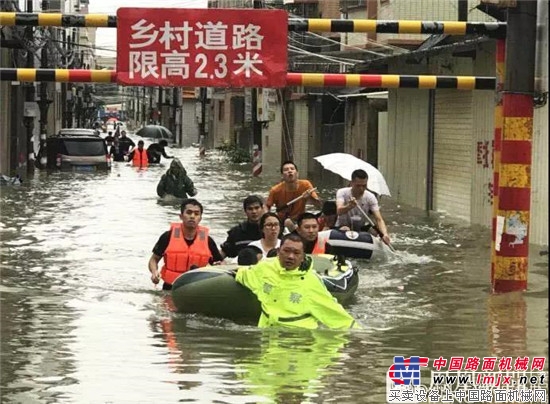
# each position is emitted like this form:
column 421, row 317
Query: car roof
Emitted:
column 77, row 132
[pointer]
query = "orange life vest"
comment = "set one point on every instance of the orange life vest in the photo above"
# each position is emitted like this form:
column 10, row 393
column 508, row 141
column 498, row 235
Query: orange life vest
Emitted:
column 140, row 158
column 319, row 247
column 179, row 256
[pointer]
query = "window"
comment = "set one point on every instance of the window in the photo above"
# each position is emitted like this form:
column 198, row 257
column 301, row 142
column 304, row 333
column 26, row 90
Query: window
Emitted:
column 85, row 147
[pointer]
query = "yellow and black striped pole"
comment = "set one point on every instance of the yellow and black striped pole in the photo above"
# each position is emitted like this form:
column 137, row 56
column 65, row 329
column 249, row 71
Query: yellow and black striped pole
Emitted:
column 492, row 29
column 293, row 79
column 57, row 20
column 390, row 81
column 58, row 75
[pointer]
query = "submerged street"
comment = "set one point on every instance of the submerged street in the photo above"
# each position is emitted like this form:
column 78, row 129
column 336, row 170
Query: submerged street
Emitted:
column 81, row 321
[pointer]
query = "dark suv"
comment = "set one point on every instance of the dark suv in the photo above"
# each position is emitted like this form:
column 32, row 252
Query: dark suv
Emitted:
column 75, row 149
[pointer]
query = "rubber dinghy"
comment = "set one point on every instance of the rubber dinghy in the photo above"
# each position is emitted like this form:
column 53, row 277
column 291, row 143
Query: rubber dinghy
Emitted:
column 211, row 291
column 353, row 244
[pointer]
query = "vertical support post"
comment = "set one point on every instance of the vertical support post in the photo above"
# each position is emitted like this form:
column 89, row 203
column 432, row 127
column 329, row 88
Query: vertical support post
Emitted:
column 64, row 100
column 431, row 152
column 514, row 194
column 462, row 10
column 44, row 103
column 143, row 107
column 256, row 125
column 160, row 103
column 497, row 141
column 202, row 126
column 24, row 155
column 150, row 111
column 177, row 101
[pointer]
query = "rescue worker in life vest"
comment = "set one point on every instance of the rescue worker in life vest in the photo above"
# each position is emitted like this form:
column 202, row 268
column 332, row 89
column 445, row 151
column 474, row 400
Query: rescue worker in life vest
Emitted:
column 187, row 245
column 138, row 156
column 308, row 229
column 290, row 291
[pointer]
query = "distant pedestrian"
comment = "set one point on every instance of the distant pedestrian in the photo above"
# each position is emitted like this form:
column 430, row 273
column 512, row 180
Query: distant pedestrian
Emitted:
column 138, row 156
column 125, row 143
column 115, row 151
column 109, row 138
column 176, row 182
column 156, row 150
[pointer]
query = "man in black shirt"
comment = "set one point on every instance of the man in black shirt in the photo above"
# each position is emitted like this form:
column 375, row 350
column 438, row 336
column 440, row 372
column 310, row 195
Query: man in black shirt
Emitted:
column 184, row 247
column 156, row 150
column 244, row 233
column 125, row 143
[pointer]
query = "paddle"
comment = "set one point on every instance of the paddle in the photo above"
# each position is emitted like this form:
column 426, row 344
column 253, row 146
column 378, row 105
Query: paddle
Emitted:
column 375, row 227
column 287, row 205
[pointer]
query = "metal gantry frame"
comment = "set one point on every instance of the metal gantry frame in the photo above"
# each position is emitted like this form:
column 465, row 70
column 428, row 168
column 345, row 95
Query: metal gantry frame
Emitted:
column 513, row 117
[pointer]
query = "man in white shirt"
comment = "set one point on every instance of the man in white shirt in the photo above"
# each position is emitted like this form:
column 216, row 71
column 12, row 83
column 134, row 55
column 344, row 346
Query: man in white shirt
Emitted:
column 350, row 216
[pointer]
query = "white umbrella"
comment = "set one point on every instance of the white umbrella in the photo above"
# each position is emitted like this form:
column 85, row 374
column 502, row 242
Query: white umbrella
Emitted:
column 344, row 164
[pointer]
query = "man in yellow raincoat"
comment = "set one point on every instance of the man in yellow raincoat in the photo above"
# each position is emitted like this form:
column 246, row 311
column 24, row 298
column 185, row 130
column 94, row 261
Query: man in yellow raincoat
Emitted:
column 291, row 293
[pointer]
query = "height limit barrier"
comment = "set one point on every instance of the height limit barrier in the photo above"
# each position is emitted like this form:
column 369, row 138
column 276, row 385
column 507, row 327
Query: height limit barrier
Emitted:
column 216, row 69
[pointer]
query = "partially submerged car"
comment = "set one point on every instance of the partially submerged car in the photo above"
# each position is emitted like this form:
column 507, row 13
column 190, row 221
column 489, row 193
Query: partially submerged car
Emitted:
column 75, row 149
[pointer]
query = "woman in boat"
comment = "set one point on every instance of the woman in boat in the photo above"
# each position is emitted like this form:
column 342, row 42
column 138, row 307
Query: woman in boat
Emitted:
column 270, row 226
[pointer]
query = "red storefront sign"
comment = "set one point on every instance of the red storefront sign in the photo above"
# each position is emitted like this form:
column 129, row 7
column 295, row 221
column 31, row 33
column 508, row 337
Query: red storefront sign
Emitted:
column 202, row 47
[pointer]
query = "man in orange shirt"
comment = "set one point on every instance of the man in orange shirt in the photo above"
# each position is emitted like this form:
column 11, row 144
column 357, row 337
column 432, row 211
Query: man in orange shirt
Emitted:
column 289, row 190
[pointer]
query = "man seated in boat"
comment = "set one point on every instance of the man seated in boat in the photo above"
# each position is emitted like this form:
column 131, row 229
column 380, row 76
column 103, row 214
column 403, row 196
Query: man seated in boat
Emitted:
column 246, row 232
column 335, row 241
column 291, row 195
column 353, row 204
column 249, row 255
column 185, row 246
column 327, row 218
column 290, row 292
column 308, row 229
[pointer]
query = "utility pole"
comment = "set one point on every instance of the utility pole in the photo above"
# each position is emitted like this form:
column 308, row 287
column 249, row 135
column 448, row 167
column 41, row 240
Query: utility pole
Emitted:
column 177, row 102
column 509, row 265
column 143, row 106
column 63, row 84
column 202, row 126
column 29, row 98
column 256, row 125
column 44, row 103
column 71, row 107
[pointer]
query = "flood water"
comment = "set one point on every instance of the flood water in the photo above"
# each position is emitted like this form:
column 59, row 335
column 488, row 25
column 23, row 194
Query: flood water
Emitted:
column 82, row 323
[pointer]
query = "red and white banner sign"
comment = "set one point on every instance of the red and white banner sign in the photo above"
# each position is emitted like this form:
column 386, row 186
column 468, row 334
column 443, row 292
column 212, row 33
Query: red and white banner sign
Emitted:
column 202, row 47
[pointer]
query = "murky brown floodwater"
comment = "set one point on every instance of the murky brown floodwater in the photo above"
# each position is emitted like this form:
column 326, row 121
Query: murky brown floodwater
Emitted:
column 81, row 322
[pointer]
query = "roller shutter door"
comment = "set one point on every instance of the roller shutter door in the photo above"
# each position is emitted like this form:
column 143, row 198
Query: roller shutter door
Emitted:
column 453, row 152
